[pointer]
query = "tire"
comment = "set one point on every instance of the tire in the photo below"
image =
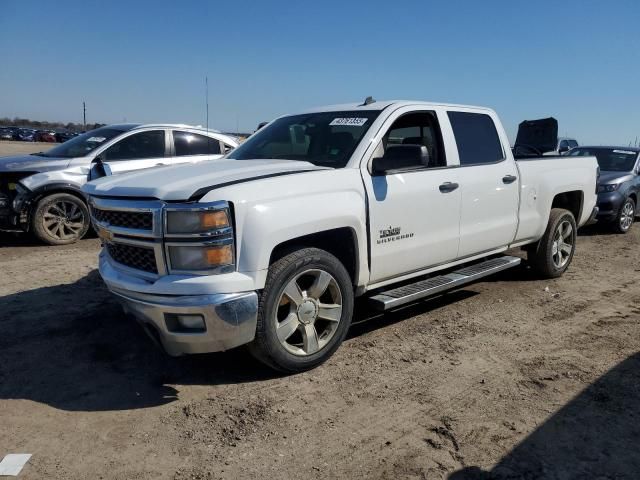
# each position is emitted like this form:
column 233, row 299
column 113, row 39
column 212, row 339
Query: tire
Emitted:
column 60, row 219
column 626, row 215
column 306, row 291
column 548, row 258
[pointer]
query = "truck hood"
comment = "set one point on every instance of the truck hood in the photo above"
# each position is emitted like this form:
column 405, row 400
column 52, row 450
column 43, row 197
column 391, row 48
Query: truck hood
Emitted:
column 614, row 177
column 182, row 182
column 32, row 163
column 541, row 134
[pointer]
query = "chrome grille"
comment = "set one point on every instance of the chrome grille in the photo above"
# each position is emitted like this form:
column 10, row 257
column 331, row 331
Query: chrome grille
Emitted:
column 140, row 258
column 133, row 235
column 124, row 219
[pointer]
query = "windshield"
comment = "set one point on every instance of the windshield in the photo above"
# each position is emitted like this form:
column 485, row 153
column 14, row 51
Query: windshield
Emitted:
column 609, row 159
column 82, row 144
column 326, row 139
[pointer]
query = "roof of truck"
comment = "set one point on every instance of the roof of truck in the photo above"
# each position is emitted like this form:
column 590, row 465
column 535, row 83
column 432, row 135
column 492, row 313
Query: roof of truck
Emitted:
column 382, row 104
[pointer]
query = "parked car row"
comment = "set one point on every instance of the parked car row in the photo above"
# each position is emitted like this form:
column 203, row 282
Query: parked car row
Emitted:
column 35, row 135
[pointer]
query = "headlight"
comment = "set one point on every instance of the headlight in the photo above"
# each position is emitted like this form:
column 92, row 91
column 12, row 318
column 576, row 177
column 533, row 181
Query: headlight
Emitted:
column 196, row 222
column 610, row 187
column 186, row 258
column 199, row 238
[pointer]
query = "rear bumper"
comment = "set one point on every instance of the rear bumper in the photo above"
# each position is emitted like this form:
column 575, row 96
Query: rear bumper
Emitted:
column 230, row 319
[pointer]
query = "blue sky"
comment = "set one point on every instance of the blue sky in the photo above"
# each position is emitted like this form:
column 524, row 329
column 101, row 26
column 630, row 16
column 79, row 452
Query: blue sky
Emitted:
column 145, row 61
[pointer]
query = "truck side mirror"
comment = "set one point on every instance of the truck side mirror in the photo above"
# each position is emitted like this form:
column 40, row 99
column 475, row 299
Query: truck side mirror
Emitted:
column 400, row 157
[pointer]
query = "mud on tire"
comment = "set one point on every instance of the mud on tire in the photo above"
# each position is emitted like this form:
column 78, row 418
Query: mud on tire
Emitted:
column 60, row 219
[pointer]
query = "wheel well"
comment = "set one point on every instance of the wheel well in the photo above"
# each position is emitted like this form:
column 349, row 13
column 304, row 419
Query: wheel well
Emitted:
column 340, row 242
column 45, row 193
column 634, row 197
column 571, row 201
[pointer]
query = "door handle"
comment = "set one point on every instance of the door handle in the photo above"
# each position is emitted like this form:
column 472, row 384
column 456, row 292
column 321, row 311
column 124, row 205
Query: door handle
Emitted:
column 509, row 179
column 447, row 187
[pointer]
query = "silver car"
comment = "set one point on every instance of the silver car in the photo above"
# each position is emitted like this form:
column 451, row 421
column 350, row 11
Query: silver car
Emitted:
column 41, row 192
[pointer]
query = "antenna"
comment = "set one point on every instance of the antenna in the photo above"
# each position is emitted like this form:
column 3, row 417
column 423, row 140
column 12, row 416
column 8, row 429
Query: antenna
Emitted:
column 368, row 101
column 206, row 98
column 84, row 115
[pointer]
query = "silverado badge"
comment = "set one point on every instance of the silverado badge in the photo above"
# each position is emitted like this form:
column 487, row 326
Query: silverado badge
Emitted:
column 392, row 234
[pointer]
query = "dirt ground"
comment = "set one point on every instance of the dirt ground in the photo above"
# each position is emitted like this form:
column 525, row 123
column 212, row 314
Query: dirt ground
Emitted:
column 20, row 148
column 509, row 378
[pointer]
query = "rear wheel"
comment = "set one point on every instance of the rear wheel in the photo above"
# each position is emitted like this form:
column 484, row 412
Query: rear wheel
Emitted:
column 305, row 311
column 552, row 255
column 60, row 219
column 626, row 216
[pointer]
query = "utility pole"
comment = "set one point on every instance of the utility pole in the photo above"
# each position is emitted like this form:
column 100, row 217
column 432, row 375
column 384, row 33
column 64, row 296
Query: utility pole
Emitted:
column 84, row 115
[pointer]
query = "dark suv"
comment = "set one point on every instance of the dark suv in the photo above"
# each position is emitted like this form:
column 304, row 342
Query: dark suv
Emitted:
column 619, row 183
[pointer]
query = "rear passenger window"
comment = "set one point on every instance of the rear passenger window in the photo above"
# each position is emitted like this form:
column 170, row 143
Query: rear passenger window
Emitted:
column 476, row 138
column 187, row 143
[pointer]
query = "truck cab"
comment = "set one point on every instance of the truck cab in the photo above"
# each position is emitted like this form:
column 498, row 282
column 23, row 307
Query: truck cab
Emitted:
column 394, row 201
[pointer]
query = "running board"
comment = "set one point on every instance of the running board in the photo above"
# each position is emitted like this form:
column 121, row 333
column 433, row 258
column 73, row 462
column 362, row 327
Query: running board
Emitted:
column 435, row 285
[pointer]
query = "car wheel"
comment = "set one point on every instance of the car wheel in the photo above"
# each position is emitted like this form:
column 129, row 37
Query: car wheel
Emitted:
column 552, row 255
column 60, row 219
column 305, row 311
column 626, row 216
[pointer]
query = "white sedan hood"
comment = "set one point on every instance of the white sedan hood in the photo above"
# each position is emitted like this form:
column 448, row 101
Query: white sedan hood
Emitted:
column 181, row 182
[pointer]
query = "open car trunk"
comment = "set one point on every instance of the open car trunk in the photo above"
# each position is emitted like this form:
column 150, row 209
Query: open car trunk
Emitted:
column 536, row 136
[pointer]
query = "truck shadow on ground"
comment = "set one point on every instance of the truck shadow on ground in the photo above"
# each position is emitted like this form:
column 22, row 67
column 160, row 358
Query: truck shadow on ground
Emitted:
column 72, row 347
column 594, row 436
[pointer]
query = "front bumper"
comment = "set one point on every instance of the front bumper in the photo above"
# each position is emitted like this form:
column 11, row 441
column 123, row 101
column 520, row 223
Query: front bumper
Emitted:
column 609, row 204
column 9, row 220
column 230, row 319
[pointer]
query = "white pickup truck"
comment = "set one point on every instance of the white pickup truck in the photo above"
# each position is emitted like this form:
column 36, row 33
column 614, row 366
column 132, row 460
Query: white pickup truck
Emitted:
column 396, row 201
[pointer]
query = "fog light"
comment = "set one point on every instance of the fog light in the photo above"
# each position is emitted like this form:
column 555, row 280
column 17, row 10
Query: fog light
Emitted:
column 185, row 323
column 191, row 322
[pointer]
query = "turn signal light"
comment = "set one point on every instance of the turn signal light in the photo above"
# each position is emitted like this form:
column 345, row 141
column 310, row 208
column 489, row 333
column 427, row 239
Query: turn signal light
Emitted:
column 222, row 255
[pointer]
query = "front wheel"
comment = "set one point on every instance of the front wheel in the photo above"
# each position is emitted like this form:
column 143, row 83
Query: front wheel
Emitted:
column 626, row 215
column 305, row 311
column 60, row 219
column 552, row 255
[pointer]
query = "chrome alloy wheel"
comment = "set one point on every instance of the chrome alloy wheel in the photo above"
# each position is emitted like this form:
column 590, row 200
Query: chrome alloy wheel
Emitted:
column 626, row 215
column 309, row 312
column 562, row 244
column 63, row 220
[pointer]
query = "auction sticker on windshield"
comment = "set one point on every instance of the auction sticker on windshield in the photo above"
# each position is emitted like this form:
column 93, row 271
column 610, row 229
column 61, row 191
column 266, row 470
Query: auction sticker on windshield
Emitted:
column 350, row 122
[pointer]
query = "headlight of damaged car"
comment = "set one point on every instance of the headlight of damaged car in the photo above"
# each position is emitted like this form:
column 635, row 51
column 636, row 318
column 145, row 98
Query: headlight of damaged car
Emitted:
column 199, row 238
column 610, row 187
